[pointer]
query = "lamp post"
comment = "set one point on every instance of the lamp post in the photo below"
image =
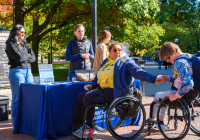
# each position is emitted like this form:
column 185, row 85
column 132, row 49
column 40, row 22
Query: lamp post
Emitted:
column 94, row 24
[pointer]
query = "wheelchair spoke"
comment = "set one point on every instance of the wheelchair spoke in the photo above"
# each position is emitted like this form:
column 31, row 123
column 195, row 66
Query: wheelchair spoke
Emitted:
column 177, row 122
column 130, row 128
column 195, row 120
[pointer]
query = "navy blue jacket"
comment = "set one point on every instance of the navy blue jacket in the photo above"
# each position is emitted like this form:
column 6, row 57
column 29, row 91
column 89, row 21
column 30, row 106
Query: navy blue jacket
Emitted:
column 74, row 51
column 125, row 70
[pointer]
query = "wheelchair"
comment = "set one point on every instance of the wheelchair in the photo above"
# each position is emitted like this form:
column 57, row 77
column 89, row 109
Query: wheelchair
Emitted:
column 182, row 115
column 120, row 109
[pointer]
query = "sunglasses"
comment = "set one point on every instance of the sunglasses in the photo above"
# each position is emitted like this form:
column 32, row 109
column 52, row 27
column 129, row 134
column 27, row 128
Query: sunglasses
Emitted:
column 168, row 58
column 22, row 32
column 115, row 50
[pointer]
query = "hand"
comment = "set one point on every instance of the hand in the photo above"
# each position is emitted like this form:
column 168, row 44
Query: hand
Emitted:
column 164, row 77
column 29, row 54
column 87, row 87
column 159, row 79
column 87, row 56
column 172, row 97
column 83, row 56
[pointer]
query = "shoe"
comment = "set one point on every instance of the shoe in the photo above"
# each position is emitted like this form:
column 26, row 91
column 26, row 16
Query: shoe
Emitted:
column 78, row 133
column 162, row 125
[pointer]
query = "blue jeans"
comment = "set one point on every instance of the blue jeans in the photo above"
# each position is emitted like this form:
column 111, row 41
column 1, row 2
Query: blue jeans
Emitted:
column 16, row 77
column 159, row 65
column 71, row 74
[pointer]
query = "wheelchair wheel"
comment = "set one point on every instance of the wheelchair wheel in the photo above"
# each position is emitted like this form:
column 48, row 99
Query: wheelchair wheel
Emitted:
column 115, row 125
column 195, row 119
column 127, row 130
column 177, row 121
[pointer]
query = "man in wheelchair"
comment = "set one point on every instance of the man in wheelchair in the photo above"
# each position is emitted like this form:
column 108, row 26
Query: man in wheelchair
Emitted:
column 115, row 79
column 182, row 81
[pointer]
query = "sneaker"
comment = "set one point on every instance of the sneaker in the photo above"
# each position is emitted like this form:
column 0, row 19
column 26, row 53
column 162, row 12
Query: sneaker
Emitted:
column 162, row 125
column 78, row 133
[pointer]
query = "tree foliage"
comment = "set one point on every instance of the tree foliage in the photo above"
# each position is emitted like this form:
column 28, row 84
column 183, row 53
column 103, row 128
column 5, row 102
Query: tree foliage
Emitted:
column 6, row 13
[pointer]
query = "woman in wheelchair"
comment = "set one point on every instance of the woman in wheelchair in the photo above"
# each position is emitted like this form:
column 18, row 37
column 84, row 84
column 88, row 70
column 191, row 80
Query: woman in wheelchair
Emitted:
column 115, row 79
column 182, row 81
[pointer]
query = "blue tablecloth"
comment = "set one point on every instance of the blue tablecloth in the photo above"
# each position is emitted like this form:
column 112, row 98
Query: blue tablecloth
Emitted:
column 46, row 111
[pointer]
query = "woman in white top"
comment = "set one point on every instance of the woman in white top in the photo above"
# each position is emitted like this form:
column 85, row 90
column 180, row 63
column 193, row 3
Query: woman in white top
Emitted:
column 101, row 50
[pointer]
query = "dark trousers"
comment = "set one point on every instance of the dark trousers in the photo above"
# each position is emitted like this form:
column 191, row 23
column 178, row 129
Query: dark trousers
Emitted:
column 85, row 100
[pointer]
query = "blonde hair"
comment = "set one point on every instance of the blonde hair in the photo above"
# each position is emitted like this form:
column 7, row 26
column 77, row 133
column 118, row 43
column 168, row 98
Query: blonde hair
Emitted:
column 104, row 34
column 167, row 49
column 77, row 26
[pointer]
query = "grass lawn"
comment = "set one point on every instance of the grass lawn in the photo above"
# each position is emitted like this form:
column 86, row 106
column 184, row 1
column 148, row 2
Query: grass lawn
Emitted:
column 60, row 74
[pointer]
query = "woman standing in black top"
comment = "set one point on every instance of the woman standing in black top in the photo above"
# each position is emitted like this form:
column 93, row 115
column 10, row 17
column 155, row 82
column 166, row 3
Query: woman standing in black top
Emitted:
column 20, row 56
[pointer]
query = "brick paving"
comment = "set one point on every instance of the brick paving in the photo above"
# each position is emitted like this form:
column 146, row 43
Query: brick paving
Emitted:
column 6, row 132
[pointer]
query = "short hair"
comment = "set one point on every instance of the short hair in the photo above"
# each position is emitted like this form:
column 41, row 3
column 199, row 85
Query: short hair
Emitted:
column 104, row 34
column 14, row 35
column 77, row 26
column 168, row 48
column 113, row 44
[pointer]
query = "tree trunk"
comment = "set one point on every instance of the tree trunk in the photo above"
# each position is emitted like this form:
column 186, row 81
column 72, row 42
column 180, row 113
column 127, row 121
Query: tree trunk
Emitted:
column 19, row 15
column 42, row 58
column 49, row 58
column 35, row 44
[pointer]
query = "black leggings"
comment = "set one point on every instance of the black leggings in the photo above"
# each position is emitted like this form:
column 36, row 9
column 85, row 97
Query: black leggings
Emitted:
column 85, row 100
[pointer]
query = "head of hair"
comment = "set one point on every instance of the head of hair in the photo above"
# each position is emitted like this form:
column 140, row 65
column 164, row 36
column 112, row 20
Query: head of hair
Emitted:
column 168, row 48
column 113, row 44
column 77, row 26
column 14, row 35
column 104, row 34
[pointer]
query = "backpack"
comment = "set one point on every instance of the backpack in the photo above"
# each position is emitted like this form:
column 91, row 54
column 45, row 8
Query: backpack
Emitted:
column 196, row 71
column 130, row 108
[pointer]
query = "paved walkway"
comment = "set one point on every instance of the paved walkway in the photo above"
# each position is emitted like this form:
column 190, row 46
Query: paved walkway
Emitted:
column 150, row 89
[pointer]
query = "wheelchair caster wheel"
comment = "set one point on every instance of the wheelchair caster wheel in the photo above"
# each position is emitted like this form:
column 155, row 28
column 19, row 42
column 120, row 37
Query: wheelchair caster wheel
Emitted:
column 88, row 138
column 175, row 125
column 148, row 131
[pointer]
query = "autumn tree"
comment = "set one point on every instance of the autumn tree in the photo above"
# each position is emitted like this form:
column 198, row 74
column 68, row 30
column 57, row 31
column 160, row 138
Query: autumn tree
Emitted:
column 6, row 13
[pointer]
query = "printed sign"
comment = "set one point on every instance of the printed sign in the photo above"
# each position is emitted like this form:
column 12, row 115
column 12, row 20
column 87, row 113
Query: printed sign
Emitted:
column 4, row 67
column 126, row 48
column 46, row 73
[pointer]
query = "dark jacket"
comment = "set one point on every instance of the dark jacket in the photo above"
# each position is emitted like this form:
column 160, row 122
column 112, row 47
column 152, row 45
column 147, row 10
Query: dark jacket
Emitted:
column 74, row 51
column 19, row 56
column 125, row 70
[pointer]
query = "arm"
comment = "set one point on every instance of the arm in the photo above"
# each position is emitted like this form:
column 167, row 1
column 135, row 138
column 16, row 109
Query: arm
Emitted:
column 138, row 73
column 31, row 54
column 91, row 52
column 69, row 56
column 11, row 48
column 184, row 82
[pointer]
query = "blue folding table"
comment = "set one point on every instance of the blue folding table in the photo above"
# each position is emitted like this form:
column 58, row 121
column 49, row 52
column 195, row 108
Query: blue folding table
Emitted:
column 46, row 111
